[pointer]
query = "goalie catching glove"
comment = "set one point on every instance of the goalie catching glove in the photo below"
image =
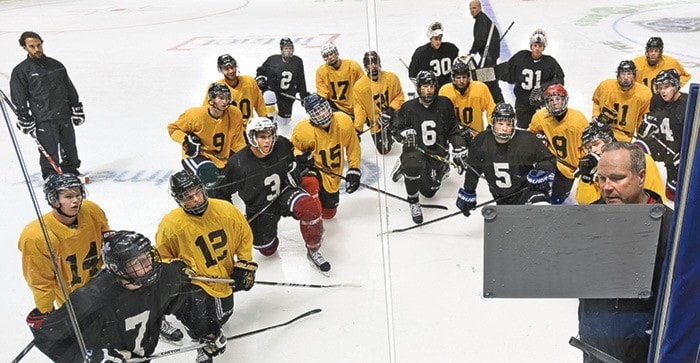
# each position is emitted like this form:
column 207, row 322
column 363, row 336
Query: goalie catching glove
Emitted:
column 244, row 275
column 587, row 168
column 536, row 97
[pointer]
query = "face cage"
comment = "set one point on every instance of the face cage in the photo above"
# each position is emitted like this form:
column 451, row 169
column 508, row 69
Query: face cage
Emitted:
column 321, row 114
column 607, row 139
column 147, row 279
column 254, row 141
column 288, row 54
column 557, row 111
column 676, row 85
column 503, row 136
column 198, row 209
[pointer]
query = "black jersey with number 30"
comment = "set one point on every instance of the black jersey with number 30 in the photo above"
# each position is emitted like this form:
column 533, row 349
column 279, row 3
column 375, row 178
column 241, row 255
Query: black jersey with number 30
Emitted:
column 505, row 166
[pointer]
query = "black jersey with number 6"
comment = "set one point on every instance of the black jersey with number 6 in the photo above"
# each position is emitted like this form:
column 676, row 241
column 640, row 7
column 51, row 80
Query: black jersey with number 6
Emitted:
column 435, row 125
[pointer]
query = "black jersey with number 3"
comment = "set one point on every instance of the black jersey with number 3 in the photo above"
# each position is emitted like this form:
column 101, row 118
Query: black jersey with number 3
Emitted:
column 110, row 316
column 257, row 180
column 505, row 166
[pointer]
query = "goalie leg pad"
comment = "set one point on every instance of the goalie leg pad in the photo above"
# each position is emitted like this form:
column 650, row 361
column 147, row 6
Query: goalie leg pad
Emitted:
column 310, row 222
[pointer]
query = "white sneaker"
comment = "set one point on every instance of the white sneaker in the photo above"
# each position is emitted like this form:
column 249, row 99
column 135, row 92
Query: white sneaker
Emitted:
column 317, row 260
column 416, row 213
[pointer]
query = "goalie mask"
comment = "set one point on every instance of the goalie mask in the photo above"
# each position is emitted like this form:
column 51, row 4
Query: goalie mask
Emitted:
column 654, row 49
column 435, row 29
column 503, row 122
column 55, row 183
column 556, row 99
column 319, row 110
column 286, row 48
column 261, row 124
column 538, row 36
column 189, row 193
column 131, row 256
column 426, row 78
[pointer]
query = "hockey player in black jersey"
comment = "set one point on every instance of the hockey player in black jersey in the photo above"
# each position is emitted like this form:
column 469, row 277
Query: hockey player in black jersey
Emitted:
column 119, row 312
column 511, row 160
column 530, row 72
column 425, row 125
column 267, row 177
column 285, row 74
column 435, row 56
column 664, row 124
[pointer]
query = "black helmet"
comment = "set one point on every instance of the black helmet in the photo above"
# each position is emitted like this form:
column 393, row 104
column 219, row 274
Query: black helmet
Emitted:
column 127, row 255
column 54, row 183
column 182, row 183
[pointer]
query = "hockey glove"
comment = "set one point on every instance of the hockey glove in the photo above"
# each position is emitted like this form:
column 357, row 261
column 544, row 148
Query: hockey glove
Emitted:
column 409, row 138
column 294, row 175
column 215, row 346
column 459, row 157
column 26, row 122
column 466, row 201
column 649, row 125
column 244, row 275
column 587, row 168
column 305, row 162
column 538, row 179
column 468, row 134
column 385, row 117
column 191, row 145
column 107, row 355
column 35, row 318
column 77, row 116
column 607, row 116
column 352, row 180
column 536, row 97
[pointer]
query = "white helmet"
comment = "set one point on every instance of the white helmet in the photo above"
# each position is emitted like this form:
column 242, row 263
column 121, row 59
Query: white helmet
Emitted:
column 258, row 124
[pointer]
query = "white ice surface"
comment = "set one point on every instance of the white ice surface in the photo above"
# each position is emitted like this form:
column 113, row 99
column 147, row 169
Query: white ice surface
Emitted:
column 138, row 64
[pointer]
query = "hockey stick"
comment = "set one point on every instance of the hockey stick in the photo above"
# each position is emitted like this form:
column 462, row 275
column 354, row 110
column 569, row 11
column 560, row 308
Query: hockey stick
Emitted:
column 592, row 351
column 33, row 135
column 404, row 63
column 258, row 213
column 454, row 214
column 270, row 283
column 488, row 43
column 435, row 206
column 23, row 352
column 171, row 352
column 290, row 96
column 449, row 162
column 506, row 32
column 668, row 149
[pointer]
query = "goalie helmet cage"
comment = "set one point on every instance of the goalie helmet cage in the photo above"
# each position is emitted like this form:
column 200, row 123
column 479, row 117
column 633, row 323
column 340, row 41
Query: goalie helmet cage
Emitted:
column 676, row 334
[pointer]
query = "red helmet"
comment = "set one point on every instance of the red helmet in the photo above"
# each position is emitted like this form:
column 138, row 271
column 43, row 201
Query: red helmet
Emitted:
column 556, row 99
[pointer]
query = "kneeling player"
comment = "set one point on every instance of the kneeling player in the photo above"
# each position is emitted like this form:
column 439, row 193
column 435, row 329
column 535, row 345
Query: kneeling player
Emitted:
column 267, row 178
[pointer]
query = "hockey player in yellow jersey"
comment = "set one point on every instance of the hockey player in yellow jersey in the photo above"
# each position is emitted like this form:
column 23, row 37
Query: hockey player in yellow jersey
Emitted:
column 654, row 61
column 209, row 134
column 74, row 228
column 471, row 99
column 561, row 127
column 336, row 78
column 594, row 137
column 213, row 238
column 330, row 136
column 629, row 99
column 377, row 95
column 245, row 94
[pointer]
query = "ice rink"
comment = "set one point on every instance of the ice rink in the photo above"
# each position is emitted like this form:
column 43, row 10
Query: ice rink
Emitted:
column 138, row 65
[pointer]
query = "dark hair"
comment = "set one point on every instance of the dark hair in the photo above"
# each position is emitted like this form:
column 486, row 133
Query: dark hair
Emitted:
column 28, row 34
